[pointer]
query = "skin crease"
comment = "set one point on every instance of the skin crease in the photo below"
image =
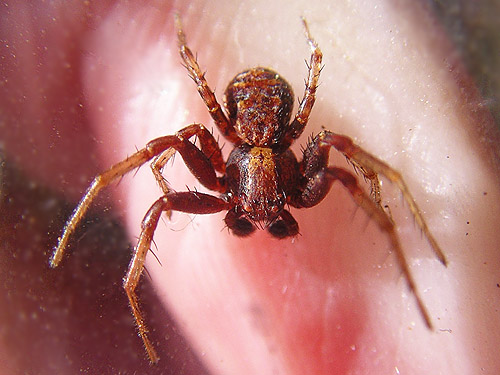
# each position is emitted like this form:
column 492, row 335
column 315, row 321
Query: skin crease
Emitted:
column 331, row 300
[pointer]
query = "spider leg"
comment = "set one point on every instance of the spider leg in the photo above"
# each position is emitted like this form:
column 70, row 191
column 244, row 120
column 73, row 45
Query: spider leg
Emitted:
column 208, row 146
column 300, row 121
column 319, row 178
column 190, row 202
column 200, row 165
column 373, row 178
column 374, row 165
column 99, row 182
column 206, row 93
column 319, row 186
column 157, row 166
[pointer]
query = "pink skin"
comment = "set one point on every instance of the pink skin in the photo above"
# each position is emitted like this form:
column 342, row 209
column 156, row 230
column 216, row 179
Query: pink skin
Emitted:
column 331, row 300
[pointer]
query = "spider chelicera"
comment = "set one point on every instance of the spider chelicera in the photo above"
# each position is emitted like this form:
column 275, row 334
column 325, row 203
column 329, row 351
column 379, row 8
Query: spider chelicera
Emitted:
column 261, row 177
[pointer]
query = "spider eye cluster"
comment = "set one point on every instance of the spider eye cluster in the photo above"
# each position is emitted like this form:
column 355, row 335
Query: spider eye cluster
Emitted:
column 259, row 103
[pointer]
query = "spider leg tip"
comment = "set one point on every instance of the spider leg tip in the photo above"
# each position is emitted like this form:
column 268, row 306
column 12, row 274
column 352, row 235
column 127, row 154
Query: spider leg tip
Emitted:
column 444, row 261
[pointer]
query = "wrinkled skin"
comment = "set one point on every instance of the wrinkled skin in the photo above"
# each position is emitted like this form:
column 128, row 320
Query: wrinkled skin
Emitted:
column 88, row 84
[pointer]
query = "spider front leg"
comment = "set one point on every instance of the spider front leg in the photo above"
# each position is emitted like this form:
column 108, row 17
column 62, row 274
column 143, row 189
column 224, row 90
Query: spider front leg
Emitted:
column 202, row 164
column 306, row 104
column 190, row 202
column 206, row 93
column 100, row 182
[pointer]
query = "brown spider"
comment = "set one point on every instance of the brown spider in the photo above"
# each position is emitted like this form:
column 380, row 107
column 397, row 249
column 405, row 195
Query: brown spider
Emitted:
column 260, row 177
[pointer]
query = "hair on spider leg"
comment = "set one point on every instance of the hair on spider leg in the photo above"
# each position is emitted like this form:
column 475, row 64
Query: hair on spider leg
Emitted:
column 148, row 275
column 304, row 146
column 154, row 243
column 224, row 227
column 317, row 75
column 135, row 172
column 154, row 253
column 354, row 166
column 211, row 155
column 150, row 250
column 122, row 177
column 191, row 217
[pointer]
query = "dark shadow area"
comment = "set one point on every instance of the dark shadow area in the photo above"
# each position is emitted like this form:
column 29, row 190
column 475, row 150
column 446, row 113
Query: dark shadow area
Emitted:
column 73, row 319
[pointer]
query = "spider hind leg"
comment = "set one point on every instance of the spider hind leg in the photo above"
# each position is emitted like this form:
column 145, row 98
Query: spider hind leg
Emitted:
column 319, row 177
